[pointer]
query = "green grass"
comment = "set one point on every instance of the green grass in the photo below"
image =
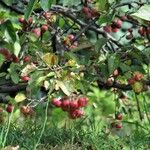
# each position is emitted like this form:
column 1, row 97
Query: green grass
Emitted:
column 74, row 135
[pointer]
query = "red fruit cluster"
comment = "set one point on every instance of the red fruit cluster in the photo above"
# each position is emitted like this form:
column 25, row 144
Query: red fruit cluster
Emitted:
column 47, row 15
column 136, row 77
column 90, row 12
column 114, row 26
column 39, row 31
column 73, row 107
column 25, row 23
column 8, row 56
column 68, row 40
column 143, row 31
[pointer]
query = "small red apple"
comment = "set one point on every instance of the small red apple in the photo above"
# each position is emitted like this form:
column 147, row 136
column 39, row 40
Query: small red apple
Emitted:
column 76, row 114
column 56, row 102
column 26, row 59
column 74, row 105
column 119, row 126
column 9, row 108
column 44, row 28
column 25, row 78
column 107, row 28
column 117, row 23
column 82, row 101
column 65, row 105
column 22, row 20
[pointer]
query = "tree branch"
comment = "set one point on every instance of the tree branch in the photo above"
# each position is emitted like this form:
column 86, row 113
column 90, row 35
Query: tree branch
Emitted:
column 13, row 88
column 70, row 14
column 115, row 84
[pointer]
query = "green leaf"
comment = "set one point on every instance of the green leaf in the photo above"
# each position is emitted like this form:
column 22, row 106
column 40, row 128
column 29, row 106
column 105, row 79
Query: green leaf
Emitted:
column 46, row 4
column 113, row 63
column 1, row 59
column 17, row 48
column 9, row 33
column 92, row 36
column 106, row 18
column 71, row 3
column 103, row 5
column 14, row 77
column 29, row 9
column 100, row 43
column 61, row 22
column 143, row 13
column 13, row 70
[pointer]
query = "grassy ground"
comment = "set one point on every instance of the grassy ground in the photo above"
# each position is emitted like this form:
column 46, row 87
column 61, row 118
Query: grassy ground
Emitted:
column 73, row 135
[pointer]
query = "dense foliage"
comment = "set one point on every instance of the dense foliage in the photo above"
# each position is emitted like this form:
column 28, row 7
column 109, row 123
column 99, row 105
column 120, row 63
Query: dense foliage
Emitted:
column 77, row 66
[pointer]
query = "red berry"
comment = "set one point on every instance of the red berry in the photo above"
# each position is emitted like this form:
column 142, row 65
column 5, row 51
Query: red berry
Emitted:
column 74, row 105
column 107, row 28
column 138, row 76
column 123, row 18
column 6, row 54
column 110, row 81
column 30, row 20
column 44, row 28
column 70, row 37
column 14, row 58
column 148, row 30
column 94, row 12
column 9, row 108
column 21, row 20
column 89, row 15
column 76, row 113
column 117, row 23
column 26, row 110
column 26, row 59
column 129, row 37
column 131, row 81
column 65, row 105
column 56, row 102
column 82, row 102
column 116, row 73
column 47, row 15
column 119, row 116
column 25, row 78
column 130, row 30
column 85, row 10
column 141, row 31
column 114, row 29
column 37, row 32
column 118, row 126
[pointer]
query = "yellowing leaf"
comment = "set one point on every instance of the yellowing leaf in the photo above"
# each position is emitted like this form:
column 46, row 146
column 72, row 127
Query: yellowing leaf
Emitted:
column 50, row 59
column 63, row 87
column 20, row 97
